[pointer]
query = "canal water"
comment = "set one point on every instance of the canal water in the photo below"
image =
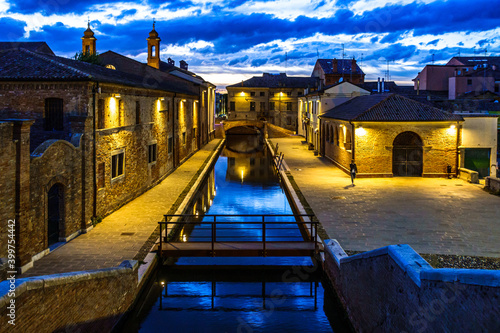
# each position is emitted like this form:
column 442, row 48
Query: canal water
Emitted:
column 239, row 294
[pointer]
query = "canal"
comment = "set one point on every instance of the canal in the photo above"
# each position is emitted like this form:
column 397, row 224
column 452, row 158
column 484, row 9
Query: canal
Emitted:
column 285, row 294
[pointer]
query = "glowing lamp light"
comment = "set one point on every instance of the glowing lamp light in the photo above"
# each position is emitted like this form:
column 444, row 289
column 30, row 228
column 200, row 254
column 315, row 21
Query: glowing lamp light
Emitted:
column 184, row 238
column 242, row 93
column 117, row 95
column 360, row 131
column 162, row 283
column 452, row 126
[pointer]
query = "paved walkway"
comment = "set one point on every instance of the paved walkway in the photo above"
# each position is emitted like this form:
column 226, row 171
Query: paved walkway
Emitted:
column 108, row 244
column 441, row 216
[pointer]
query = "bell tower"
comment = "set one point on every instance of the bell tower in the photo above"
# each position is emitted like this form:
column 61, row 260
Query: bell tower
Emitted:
column 154, row 48
column 88, row 41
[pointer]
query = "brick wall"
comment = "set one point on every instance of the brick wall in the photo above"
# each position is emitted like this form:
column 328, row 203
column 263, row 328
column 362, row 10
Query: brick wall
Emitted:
column 393, row 289
column 7, row 186
column 340, row 153
column 90, row 301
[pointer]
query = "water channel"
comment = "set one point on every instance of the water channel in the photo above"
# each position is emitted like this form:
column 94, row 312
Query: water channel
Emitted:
column 239, row 294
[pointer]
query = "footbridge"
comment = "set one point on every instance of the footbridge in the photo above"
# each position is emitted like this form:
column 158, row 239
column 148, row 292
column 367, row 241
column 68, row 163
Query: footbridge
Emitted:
column 239, row 236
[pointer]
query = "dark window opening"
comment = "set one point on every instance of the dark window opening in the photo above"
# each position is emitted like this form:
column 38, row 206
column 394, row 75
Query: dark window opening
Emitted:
column 262, row 93
column 252, row 93
column 183, row 138
column 262, row 106
column 54, row 115
column 117, row 165
column 289, row 93
column 252, row 106
column 100, row 114
column 469, row 82
column 152, row 153
column 137, row 112
column 232, row 106
column 289, row 106
column 170, row 145
column 271, row 106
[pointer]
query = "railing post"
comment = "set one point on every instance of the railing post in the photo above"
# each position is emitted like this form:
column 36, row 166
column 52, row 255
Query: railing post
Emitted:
column 160, row 252
column 213, row 237
column 264, row 235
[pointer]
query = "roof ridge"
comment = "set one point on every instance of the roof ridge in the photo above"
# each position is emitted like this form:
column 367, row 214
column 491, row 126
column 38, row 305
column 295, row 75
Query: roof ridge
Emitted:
column 375, row 105
column 43, row 57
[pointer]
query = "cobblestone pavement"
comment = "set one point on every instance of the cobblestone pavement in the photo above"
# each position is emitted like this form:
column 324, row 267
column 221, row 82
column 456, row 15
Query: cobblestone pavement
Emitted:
column 121, row 234
column 440, row 216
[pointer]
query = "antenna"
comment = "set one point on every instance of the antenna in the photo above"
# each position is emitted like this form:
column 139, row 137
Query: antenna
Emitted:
column 459, row 52
column 343, row 55
column 485, row 51
column 387, row 72
column 361, row 60
column 286, row 61
column 433, row 58
column 317, row 53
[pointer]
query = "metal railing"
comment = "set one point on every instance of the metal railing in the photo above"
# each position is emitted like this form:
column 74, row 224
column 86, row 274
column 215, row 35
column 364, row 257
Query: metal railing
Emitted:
column 241, row 228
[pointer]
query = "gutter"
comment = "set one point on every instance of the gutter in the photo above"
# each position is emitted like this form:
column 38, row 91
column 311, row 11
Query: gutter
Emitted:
column 353, row 145
column 95, row 89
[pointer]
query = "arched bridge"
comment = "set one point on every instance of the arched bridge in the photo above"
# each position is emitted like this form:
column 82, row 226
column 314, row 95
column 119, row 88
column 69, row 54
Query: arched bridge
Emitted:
column 244, row 127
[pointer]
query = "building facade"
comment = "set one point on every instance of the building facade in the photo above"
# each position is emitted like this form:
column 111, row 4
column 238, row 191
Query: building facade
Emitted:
column 80, row 140
column 272, row 98
column 389, row 135
column 332, row 71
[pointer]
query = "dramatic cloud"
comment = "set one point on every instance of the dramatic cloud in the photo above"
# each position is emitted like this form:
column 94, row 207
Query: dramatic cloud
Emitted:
column 229, row 40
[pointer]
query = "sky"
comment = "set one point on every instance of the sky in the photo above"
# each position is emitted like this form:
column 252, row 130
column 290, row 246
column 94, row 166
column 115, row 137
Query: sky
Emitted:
column 227, row 41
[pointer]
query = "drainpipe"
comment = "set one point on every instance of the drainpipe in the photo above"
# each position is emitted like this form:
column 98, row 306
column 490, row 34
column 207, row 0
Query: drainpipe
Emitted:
column 352, row 140
column 459, row 127
column 173, row 131
column 95, row 89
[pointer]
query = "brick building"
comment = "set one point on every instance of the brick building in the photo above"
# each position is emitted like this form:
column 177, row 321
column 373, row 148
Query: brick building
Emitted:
column 80, row 140
column 270, row 97
column 461, row 76
column 331, row 71
column 390, row 135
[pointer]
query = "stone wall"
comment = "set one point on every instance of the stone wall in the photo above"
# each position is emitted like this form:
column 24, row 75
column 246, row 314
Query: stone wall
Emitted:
column 493, row 184
column 339, row 153
column 393, row 289
column 90, row 301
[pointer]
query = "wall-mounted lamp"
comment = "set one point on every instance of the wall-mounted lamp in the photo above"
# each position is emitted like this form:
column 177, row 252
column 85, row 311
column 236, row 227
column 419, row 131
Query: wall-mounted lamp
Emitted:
column 162, row 98
column 117, row 96
column 360, row 131
column 452, row 126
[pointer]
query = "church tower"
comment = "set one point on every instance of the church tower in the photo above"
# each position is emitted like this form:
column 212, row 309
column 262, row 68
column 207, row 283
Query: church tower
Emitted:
column 154, row 48
column 88, row 41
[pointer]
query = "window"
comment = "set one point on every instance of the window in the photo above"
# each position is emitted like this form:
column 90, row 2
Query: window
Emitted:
column 252, row 93
column 194, row 133
column 262, row 106
column 137, row 112
column 289, row 121
column 252, row 161
column 153, row 51
column 232, row 161
column 170, row 145
column 289, row 106
column 232, row 107
column 300, row 93
column 117, row 164
column 271, row 106
column 262, row 94
column 152, row 153
column 100, row 175
column 497, row 88
column 87, row 49
column 109, row 66
column 469, row 82
column 100, row 114
column 183, row 138
column 271, row 94
column 54, row 117
column 252, row 106
column 289, row 93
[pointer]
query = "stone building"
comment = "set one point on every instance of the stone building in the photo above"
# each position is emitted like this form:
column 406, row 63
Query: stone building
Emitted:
column 389, row 135
column 331, row 71
column 271, row 97
column 316, row 102
column 80, row 140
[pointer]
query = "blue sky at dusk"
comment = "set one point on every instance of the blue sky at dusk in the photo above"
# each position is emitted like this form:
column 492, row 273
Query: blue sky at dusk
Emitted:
column 227, row 41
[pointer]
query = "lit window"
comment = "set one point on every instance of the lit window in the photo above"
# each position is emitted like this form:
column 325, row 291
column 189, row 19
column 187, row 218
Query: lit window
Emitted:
column 118, row 164
column 109, row 66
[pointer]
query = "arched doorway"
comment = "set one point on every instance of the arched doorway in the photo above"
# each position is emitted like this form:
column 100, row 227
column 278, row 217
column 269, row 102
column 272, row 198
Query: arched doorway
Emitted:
column 407, row 156
column 55, row 213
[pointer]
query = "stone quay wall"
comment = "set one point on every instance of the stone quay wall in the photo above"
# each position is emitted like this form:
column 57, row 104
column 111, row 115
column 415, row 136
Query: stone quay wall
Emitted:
column 87, row 301
column 393, row 289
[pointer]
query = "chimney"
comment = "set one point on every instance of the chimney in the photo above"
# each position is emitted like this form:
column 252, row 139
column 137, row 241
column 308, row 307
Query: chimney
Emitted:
column 170, row 61
column 353, row 66
column 183, row 64
column 335, row 66
column 378, row 85
column 383, row 89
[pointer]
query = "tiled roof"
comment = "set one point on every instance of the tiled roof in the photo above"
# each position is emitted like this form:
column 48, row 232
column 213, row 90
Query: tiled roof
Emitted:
column 472, row 61
column 166, row 67
column 343, row 66
column 387, row 107
column 277, row 81
column 24, row 65
column 39, row 47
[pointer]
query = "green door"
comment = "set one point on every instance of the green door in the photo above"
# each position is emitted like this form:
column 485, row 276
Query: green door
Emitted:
column 478, row 159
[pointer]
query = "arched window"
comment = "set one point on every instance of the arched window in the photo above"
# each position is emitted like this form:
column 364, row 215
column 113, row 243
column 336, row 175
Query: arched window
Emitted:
column 347, row 143
column 336, row 138
column 332, row 136
column 153, row 51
